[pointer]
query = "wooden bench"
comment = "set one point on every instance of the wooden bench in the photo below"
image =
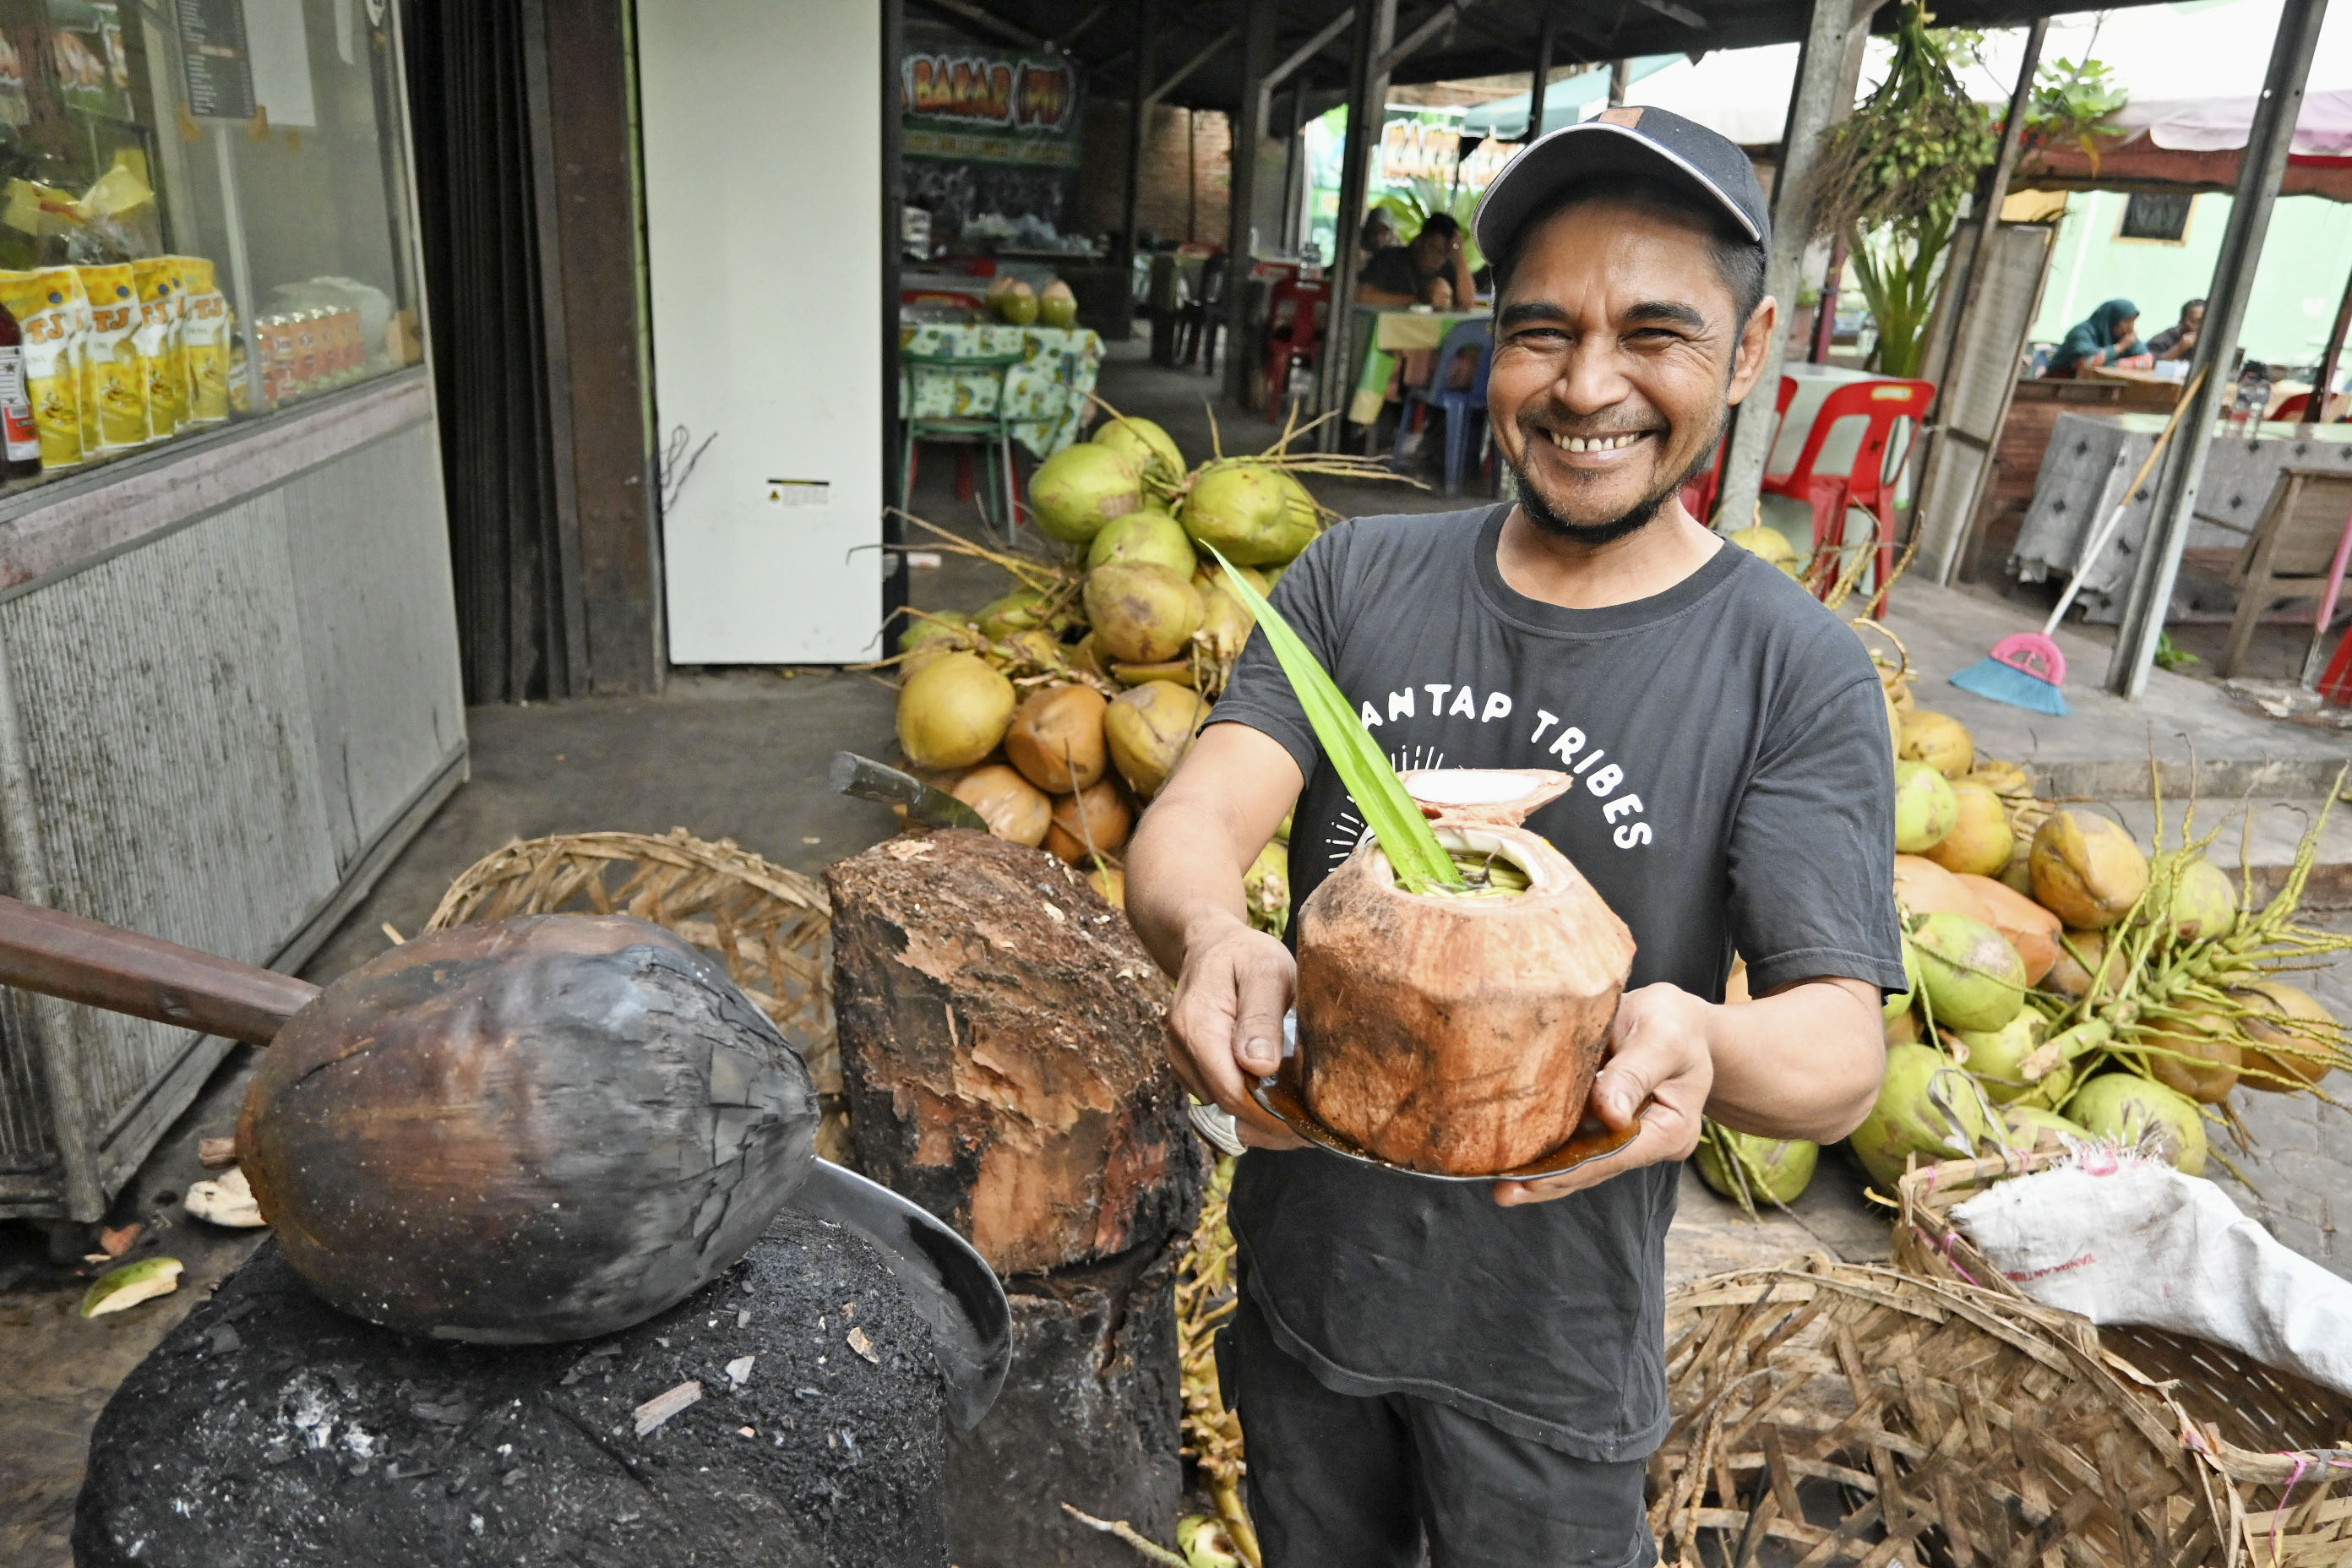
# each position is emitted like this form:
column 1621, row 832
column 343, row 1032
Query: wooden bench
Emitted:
column 2289, row 553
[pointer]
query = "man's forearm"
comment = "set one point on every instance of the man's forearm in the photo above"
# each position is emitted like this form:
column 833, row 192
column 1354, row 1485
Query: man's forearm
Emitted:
column 1803, row 1063
column 1181, row 873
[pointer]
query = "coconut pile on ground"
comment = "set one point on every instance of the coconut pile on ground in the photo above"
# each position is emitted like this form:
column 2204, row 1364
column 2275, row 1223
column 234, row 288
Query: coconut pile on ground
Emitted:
column 1058, row 709
column 2067, row 982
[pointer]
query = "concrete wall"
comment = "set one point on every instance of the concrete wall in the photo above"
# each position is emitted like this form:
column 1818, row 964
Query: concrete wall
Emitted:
column 2304, row 262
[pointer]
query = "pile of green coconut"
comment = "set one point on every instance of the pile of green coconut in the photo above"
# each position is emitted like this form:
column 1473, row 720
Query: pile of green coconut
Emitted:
column 2069, row 985
column 1056, row 710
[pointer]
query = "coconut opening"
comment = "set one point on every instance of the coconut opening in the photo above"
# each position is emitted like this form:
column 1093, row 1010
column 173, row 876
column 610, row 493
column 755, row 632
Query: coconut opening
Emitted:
column 1492, row 864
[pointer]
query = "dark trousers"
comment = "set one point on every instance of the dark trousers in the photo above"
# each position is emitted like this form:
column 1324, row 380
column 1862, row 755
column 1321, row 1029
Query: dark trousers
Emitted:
column 1341, row 1481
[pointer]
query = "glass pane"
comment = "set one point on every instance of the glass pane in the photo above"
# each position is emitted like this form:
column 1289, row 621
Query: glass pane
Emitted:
column 205, row 215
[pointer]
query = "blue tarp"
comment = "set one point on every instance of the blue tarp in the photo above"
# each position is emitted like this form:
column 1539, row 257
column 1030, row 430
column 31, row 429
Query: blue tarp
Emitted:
column 1564, row 102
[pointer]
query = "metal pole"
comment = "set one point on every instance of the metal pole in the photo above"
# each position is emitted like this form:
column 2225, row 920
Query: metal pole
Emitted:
column 1537, row 89
column 1241, row 228
column 1139, row 123
column 2267, row 142
column 1621, row 78
column 1963, row 287
column 1294, row 172
column 1817, row 104
column 1366, row 104
column 2324, row 382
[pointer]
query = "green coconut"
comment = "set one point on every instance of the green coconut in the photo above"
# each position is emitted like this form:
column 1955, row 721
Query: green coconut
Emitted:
column 1997, row 1056
column 1057, row 306
column 1150, row 728
column 1925, row 807
column 1150, row 449
column 1225, row 624
column 1974, row 980
column 1778, row 1169
column 926, row 640
column 1928, row 1106
column 1256, row 514
column 2125, row 1107
column 1018, row 611
column 1078, row 490
column 1014, row 302
column 2204, row 905
column 953, row 711
column 2027, row 1124
column 1769, row 542
column 1148, row 535
column 128, row 1285
column 1141, row 613
column 1895, row 1006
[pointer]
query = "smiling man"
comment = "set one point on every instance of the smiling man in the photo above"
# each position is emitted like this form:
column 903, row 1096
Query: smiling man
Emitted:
column 1478, row 1367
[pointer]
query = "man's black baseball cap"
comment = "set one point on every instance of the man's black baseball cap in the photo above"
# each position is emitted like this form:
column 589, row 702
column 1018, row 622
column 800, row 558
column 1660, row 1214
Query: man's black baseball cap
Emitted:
column 1630, row 139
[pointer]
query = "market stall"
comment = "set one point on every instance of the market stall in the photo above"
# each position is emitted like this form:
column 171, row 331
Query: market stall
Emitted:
column 228, row 663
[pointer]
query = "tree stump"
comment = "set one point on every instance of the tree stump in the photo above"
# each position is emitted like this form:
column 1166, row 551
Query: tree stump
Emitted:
column 1002, row 1045
column 270, row 1428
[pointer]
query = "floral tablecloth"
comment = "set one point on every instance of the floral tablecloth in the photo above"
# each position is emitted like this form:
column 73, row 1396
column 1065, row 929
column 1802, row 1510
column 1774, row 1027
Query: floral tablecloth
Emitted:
column 1048, row 388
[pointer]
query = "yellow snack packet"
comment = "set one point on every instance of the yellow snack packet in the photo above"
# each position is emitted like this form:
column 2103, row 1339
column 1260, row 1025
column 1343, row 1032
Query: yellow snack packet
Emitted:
column 115, row 375
column 205, row 329
column 163, row 346
column 51, row 321
column 74, row 303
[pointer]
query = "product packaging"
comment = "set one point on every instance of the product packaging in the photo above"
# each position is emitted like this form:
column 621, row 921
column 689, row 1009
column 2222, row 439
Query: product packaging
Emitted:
column 162, row 343
column 51, row 322
column 204, row 328
column 115, row 375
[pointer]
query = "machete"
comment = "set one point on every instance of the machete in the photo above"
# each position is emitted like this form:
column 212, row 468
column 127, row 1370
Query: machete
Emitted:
column 850, row 774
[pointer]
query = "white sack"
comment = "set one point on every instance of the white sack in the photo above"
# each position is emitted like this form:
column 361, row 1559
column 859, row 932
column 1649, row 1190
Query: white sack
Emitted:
column 2123, row 1239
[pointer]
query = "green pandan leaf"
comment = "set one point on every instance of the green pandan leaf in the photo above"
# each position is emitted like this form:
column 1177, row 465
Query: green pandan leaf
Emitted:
column 1421, row 863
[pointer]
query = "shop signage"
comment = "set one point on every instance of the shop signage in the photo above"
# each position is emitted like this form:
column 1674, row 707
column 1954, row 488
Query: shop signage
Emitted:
column 983, row 106
column 214, row 61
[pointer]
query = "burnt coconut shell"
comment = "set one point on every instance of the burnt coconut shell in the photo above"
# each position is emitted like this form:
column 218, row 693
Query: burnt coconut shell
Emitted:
column 545, row 1128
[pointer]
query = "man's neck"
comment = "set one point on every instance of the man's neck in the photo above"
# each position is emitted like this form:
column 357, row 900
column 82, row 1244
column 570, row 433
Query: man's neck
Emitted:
column 1538, row 563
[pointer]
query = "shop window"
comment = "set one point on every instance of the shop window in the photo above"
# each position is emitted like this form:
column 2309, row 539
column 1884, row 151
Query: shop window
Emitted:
column 204, row 212
column 2158, row 215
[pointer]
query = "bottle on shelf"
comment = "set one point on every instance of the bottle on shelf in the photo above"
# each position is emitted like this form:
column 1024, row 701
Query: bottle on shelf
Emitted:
column 20, row 441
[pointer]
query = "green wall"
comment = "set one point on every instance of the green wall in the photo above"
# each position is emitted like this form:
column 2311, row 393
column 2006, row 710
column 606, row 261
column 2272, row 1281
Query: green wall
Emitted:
column 2306, row 258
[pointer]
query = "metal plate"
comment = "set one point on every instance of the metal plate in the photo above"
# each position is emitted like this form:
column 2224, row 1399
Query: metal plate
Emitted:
column 1280, row 1096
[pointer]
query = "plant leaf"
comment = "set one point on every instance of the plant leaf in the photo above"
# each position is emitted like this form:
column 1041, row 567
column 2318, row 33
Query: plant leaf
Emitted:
column 1405, row 835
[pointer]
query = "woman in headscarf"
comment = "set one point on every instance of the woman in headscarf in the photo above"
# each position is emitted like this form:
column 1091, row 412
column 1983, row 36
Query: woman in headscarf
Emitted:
column 2109, row 337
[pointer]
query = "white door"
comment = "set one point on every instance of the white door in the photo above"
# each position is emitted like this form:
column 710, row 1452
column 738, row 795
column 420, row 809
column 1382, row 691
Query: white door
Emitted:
column 762, row 127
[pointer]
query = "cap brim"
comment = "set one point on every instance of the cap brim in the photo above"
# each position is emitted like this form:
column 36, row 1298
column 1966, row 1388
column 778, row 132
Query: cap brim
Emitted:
column 1575, row 152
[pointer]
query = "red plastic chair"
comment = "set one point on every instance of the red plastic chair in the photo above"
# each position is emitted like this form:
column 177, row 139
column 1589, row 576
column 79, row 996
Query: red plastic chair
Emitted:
column 1294, row 333
column 1867, row 487
column 1699, row 493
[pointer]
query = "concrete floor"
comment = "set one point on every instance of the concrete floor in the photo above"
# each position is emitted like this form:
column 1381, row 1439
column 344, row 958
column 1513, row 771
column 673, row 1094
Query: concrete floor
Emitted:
column 740, row 754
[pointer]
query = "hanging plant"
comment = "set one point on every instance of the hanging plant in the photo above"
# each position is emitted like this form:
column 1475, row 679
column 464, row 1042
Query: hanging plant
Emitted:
column 1893, row 178
column 1911, row 152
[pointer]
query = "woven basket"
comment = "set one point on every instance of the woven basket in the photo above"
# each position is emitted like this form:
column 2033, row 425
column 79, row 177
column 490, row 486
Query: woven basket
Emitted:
column 1855, row 1415
column 772, row 928
column 2277, row 1447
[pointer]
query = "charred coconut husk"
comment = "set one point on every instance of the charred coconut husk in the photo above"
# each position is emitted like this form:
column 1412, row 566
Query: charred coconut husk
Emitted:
column 1451, row 1034
column 546, row 1129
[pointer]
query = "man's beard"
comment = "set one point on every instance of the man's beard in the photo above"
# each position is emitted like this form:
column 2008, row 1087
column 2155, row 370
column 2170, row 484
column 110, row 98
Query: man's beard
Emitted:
column 1631, row 520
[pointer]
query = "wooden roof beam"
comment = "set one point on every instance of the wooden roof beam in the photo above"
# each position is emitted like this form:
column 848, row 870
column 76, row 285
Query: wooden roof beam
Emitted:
column 1299, row 57
column 964, row 10
column 1175, row 79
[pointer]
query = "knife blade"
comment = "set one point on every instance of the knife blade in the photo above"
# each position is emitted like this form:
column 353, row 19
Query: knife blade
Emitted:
column 869, row 780
column 950, row 1285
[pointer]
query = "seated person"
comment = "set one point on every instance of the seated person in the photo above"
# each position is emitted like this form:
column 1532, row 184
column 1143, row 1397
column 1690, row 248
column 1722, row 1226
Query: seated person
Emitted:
column 1432, row 271
column 2109, row 337
column 1378, row 232
column 2179, row 339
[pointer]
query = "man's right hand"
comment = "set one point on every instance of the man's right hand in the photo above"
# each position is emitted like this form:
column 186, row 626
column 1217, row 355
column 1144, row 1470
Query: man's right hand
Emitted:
column 1224, row 1028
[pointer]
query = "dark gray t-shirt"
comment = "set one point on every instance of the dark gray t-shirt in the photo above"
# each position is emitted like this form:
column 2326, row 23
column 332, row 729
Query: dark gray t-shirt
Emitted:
column 1735, row 788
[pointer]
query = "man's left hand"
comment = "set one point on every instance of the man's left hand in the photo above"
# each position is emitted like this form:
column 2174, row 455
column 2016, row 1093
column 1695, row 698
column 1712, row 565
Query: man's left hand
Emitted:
column 1659, row 1073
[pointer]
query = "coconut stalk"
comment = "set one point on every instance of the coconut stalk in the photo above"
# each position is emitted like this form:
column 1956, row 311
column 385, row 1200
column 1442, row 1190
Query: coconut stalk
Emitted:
column 2163, row 984
column 1208, row 1293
